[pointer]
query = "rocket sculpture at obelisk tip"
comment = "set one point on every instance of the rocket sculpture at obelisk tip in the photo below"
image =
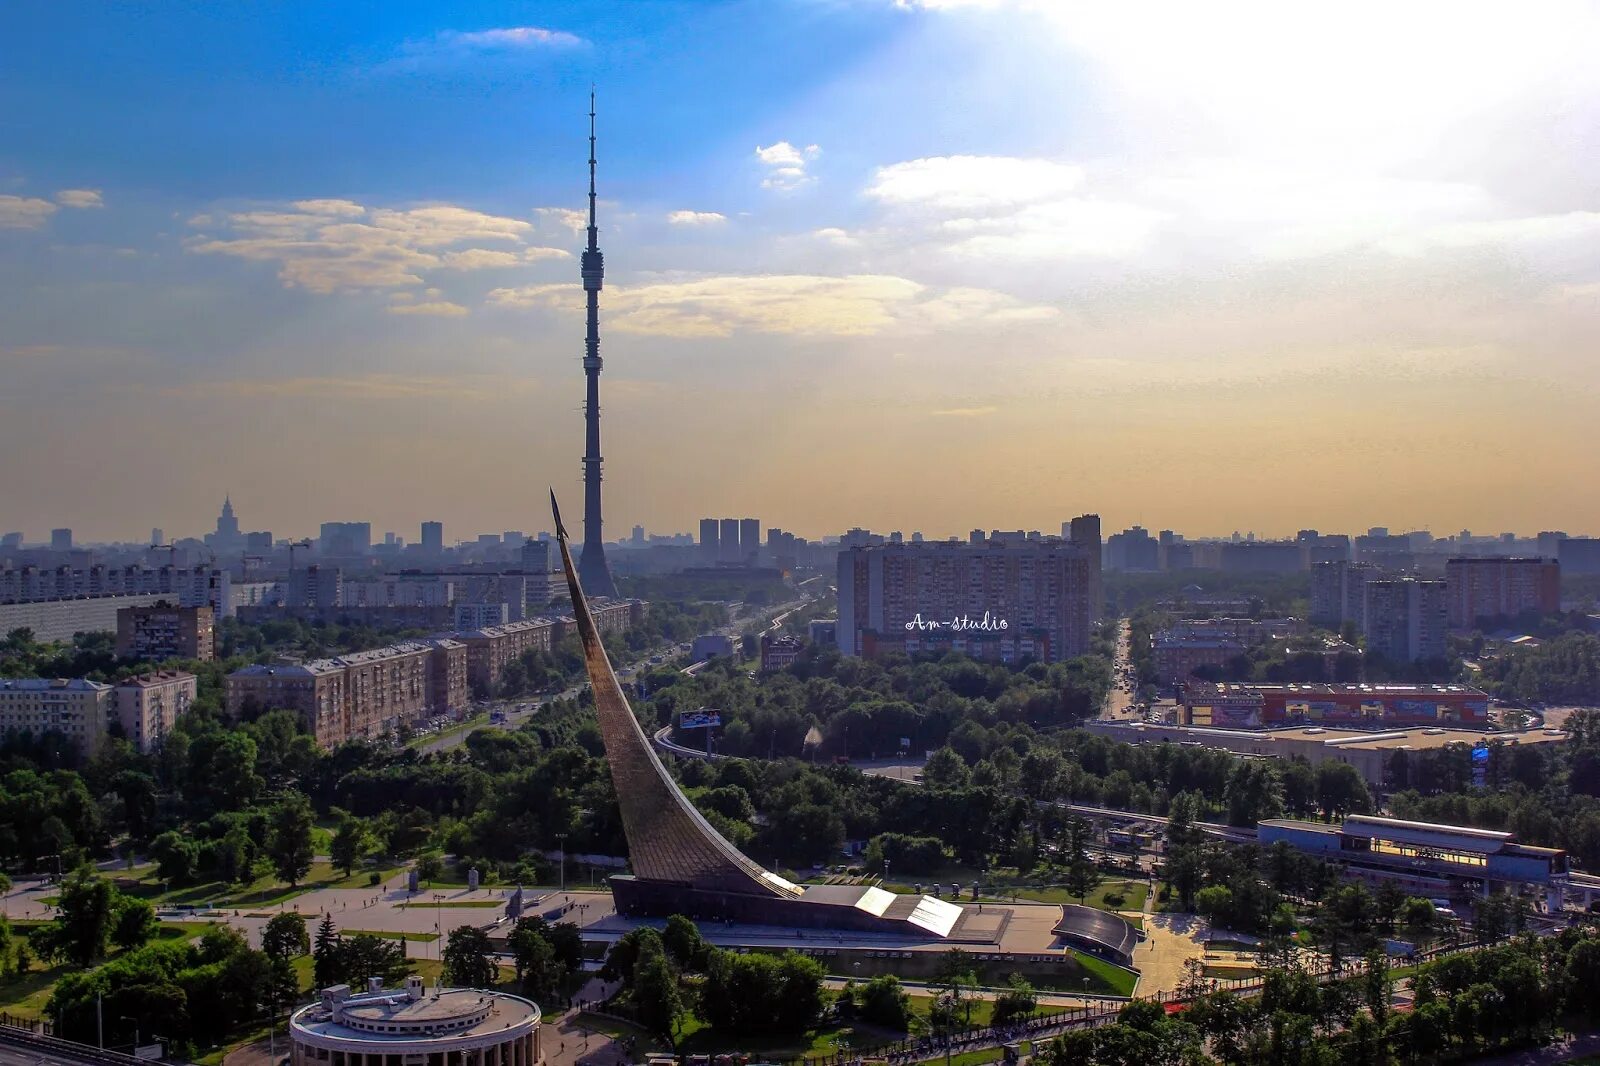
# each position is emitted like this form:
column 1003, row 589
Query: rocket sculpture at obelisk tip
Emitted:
column 669, row 840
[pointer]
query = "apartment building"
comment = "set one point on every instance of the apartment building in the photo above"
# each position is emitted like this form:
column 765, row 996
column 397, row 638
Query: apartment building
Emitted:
column 187, row 586
column 362, row 695
column 1003, row 598
column 165, row 631
column 447, row 667
column 1490, row 587
column 1405, row 618
column 78, row 709
column 490, row 648
column 148, row 706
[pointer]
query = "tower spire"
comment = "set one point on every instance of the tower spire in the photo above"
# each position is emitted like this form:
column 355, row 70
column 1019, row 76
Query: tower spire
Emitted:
column 594, row 232
column 592, row 568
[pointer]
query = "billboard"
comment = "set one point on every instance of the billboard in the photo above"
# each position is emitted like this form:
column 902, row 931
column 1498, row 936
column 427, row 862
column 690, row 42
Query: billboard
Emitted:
column 699, row 719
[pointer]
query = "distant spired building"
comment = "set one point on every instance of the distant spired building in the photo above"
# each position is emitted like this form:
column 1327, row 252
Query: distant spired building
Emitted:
column 592, row 566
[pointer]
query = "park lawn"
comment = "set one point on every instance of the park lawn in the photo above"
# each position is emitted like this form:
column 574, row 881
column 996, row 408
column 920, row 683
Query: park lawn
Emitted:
column 695, row 1037
column 26, row 994
column 387, row 934
column 264, row 891
column 645, row 1043
column 1109, row 977
column 1133, row 893
column 1229, row 973
column 921, row 1003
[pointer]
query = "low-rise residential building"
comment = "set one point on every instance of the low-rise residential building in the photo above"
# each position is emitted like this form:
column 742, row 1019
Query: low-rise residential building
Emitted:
column 448, row 676
column 314, row 690
column 780, row 651
column 616, row 616
column 490, row 648
column 77, row 709
column 362, row 695
column 166, row 631
column 1178, row 657
column 148, row 706
column 1246, row 631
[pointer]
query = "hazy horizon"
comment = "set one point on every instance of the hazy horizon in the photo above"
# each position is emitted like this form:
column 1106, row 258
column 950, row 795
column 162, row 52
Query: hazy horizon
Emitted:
column 886, row 263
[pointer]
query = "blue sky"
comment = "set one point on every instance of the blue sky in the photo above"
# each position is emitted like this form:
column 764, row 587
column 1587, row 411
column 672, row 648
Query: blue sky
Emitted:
column 1242, row 266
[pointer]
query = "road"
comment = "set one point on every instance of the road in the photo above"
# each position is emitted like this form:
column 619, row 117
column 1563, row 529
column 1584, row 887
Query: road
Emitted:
column 1120, row 701
column 520, row 710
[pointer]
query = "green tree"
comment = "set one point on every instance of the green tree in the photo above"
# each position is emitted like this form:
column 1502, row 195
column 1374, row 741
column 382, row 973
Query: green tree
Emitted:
column 623, row 958
column 945, row 769
column 289, row 838
column 538, row 971
column 325, row 953
column 1017, row 1001
column 134, row 923
column 176, row 857
column 468, row 960
column 654, row 990
column 682, row 942
column 87, row 906
column 284, row 936
column 885, row 1004
column 430, row 866
column 1184, row 867
column 351, row 844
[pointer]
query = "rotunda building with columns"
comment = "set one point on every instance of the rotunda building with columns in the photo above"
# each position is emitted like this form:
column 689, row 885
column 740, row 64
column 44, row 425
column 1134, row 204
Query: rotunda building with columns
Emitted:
column 416, row 1026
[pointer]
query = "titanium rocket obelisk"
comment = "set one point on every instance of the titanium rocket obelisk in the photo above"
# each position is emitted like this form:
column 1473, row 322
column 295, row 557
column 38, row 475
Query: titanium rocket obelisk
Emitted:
column 592, row 568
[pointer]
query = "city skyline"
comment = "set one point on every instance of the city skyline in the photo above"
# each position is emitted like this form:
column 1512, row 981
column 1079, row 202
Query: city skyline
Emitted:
column 453, row 534
column 862, row 253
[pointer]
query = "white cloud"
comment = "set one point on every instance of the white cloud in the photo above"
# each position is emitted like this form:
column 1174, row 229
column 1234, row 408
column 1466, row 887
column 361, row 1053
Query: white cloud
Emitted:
column 24, row 212
column 512, row 37
column 343, row 208
column 974, row 207
column 1534, row 233
column 797, row 304
column 79, row 198
column 536, row 253
column 836, row 237
column 973, row 183
column 443, row 308
column 457, row 47
column 786, row 165
column 479, row 259
column 576, row 221
column 696, row 218
column 331, row 245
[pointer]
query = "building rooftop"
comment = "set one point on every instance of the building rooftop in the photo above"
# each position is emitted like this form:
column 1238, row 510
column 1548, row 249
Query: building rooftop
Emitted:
column 51, row 684
column 157, row 678
column 412, row 1013
column 1318, row 688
